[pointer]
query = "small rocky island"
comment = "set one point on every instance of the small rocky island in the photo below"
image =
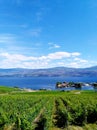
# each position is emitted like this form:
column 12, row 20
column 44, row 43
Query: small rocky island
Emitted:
column 74, row 84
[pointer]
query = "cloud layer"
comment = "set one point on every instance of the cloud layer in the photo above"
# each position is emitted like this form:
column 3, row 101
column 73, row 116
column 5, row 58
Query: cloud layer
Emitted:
column 55, row 59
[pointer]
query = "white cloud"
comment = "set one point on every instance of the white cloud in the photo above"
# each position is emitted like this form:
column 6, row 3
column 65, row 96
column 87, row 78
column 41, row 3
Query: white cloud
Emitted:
column 76, row 54
column 53, row 45
column 56, row 46
column 66, row 59
column 74, row 64
column 17, row 57
column 18, row 60
column 51, row 56
column 58, row 55
column 80, row 60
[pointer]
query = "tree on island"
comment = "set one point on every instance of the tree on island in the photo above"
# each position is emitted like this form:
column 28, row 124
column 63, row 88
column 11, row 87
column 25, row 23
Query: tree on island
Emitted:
column 68, row 84
column 78, row 85
column 95, row 86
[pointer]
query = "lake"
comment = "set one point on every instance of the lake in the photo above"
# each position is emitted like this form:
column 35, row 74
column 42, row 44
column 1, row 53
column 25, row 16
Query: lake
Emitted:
column 43, row 82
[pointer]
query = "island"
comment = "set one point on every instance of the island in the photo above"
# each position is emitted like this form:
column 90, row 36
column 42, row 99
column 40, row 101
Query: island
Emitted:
column 75, row 84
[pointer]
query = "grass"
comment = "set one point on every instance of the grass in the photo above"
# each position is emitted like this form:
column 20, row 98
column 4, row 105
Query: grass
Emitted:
column 4, row 89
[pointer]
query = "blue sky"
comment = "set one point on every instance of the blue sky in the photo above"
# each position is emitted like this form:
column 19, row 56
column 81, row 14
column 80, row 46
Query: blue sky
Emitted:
column 48, row 33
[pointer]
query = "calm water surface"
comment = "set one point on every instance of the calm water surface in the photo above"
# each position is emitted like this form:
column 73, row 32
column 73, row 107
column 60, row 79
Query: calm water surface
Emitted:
column 43, row 82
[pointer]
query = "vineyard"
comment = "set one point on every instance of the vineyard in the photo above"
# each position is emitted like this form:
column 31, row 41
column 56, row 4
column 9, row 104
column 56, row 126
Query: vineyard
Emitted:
column 48, row 110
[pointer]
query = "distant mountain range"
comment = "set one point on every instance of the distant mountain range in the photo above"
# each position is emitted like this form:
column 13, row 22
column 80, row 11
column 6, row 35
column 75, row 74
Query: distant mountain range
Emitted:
column 50, row 72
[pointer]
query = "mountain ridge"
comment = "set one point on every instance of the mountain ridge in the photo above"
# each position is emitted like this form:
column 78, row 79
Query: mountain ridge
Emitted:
column 55, row 71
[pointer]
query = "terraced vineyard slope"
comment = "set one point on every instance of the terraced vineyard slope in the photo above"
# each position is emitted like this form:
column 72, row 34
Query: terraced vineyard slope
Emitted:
column 48, row 110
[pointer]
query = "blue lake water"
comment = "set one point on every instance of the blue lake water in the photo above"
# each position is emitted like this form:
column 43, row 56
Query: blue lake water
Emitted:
column 43, row 82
